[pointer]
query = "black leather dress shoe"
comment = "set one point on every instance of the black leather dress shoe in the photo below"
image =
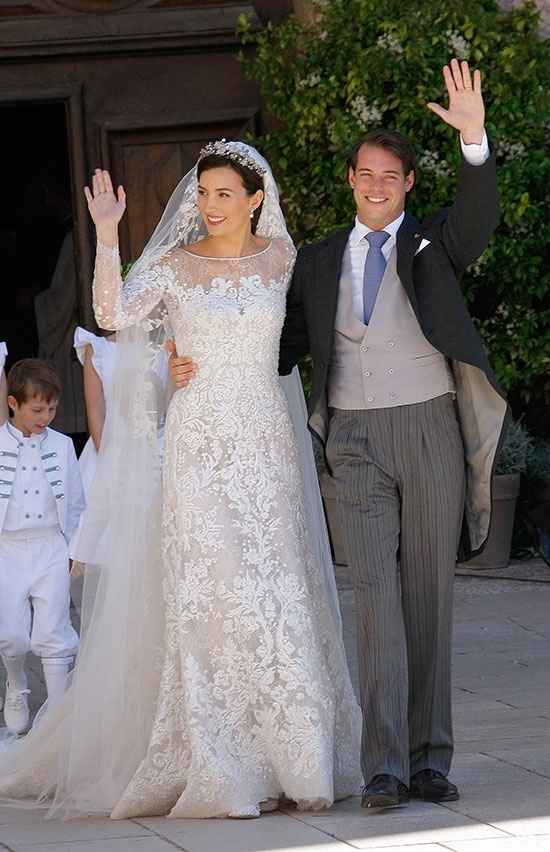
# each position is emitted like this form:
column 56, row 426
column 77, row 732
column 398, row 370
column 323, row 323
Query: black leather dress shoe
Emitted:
column 431, row 786
column 384, row 791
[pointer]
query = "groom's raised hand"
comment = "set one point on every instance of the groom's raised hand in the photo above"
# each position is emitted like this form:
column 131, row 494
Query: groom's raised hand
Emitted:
column 466, row 111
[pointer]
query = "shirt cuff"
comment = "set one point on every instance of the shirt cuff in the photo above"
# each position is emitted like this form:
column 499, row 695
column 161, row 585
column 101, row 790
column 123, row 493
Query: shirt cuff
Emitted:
column 474, row 154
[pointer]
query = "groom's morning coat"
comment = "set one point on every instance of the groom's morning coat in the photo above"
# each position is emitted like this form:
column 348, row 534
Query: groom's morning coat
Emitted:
column 431, row 278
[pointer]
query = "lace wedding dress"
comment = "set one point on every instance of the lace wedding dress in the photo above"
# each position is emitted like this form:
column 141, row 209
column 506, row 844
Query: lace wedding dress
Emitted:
column 255, row 698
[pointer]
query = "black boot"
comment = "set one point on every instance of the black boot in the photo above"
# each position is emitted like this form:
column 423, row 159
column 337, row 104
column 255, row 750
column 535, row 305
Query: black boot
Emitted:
column 432, row 786
column 384, row 791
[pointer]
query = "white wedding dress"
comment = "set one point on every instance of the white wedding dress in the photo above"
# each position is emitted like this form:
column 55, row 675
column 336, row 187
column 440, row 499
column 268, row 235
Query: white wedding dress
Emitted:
column 253, row 698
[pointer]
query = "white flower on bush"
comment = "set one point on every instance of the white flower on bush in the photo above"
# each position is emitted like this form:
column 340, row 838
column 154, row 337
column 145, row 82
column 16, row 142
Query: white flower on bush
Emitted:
column 390, row 43
column 511, row 150
column 310, row 81
column 458, row 44
column 429, row 161
column 502, row 311
column 364, row 112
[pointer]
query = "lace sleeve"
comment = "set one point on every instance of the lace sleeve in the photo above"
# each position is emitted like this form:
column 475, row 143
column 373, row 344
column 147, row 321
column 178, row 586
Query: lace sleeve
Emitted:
column 119, row 304
column 283, row 256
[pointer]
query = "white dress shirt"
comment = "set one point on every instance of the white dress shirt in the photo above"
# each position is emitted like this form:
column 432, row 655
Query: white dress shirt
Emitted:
column 358, row 246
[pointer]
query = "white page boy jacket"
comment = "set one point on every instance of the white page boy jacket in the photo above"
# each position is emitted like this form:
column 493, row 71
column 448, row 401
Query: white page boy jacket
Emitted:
column 61, row 470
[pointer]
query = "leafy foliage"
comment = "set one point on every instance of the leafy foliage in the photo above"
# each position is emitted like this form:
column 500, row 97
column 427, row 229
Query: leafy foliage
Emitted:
column 538, row 461
column 517, row 446
column 364, row 64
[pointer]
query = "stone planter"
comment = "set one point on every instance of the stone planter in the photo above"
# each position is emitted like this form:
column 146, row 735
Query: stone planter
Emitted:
column 332, row 512
column 497, row 550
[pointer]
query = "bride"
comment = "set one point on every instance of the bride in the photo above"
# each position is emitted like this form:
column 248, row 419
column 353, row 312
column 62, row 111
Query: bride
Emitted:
column 212, row 678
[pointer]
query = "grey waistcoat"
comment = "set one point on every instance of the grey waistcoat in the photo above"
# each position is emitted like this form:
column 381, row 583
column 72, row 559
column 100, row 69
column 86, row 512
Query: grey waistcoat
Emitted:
column 389, row 362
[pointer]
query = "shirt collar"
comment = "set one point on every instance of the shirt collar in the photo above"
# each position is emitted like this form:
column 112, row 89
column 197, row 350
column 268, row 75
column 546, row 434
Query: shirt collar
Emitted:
column 360, row 230
column 14, row 432
column 18, row 435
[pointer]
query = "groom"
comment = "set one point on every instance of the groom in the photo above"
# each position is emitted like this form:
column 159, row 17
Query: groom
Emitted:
column 410, row 414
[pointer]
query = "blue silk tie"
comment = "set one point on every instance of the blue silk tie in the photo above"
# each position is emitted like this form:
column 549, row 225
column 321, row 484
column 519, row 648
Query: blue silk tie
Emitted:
column 375, row 266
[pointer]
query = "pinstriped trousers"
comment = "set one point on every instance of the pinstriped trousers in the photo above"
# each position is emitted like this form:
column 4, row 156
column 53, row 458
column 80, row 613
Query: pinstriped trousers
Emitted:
column 399, row 475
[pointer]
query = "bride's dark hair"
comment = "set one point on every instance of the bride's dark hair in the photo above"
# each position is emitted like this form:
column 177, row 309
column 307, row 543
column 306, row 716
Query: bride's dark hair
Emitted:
column 251, row 180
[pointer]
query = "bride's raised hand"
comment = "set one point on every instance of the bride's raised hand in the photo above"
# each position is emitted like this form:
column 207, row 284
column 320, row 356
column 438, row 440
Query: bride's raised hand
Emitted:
column 106, row 208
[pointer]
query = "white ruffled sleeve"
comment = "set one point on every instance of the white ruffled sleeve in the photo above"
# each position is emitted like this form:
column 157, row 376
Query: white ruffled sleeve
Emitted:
column 82, row 339
column 119, row 304
column 3, row 354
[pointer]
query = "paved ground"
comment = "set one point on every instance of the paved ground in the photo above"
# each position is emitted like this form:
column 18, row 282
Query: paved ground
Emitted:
column 502, row 721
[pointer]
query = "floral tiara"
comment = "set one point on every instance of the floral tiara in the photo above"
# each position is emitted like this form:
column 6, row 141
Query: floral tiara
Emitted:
column 235, row 151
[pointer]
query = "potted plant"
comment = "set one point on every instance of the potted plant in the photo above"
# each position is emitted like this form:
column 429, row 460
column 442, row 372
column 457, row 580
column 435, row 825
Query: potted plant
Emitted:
column 510, row 464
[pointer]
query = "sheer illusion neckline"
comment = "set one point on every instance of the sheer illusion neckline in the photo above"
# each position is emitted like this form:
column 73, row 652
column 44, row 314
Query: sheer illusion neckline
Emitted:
column 241, row 257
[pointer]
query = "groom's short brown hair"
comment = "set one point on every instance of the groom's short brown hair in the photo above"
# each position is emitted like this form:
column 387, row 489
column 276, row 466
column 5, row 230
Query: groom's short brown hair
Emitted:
column 390, row 140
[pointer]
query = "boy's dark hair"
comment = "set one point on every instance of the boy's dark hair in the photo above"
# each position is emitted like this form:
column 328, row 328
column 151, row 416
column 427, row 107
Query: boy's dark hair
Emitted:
column 390, row 140
column 33, row 377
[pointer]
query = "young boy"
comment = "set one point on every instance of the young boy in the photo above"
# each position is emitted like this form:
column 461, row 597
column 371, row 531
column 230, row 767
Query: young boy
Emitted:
column 41, row 498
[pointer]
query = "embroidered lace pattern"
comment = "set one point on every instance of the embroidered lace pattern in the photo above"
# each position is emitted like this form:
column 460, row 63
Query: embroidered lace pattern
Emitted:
column 255, row 698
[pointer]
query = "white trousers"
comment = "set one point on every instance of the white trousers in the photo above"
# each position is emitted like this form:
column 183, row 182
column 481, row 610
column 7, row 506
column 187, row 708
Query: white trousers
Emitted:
column 35, row 596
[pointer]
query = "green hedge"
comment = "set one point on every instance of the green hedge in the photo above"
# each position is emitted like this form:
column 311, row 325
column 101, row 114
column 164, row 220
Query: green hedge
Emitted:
column 365, row 64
